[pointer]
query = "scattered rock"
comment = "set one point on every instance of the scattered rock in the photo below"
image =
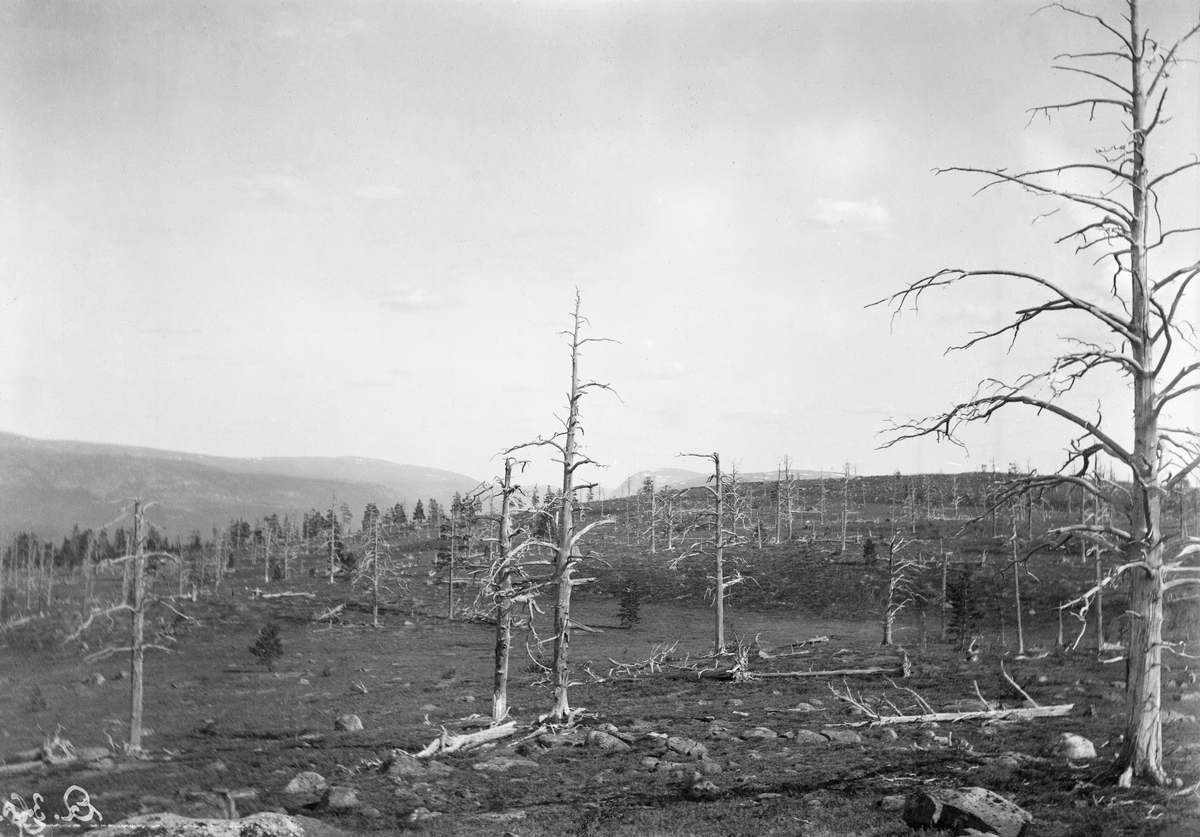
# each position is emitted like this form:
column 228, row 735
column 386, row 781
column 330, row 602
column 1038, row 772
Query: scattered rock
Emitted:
column 1074, row 747
column 686, row 747
column 550, row 739
column 650, row 762
column 1174, row 716
column 438, row 768
column 404, row 765
column 502, row 764
column 708, row 767
column 959, row 810
column 704, row 790
column 429, row 707
column 765, row 733
column 217, row 766
column 842, row 736
column 173, row 825
column 96, row 678
column 467, row 698
column 717, row 732
column 1189, row 697
column 606, row 741
column 340, row 799
column 502, row 816
column 807, row 736
column 422, row 814
column 895, row 802
column 306, row 783
column 803, row 707
column 349, row 723
column 734, row 702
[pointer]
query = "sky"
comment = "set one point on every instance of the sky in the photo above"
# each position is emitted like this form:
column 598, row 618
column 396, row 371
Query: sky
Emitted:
column 357, row 228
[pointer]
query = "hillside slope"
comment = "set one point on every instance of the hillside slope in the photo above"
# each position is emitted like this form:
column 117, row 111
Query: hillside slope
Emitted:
column 49, row 486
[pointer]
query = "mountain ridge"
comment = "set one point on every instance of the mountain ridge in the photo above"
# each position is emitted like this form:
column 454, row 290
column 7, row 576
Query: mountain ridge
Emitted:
column 48, row 486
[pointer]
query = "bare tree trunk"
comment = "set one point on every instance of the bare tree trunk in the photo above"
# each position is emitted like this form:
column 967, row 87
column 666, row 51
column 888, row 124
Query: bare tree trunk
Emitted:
column 332, row 535
column 1099, row 604
column 1142, row 753
column 138, row 618
column 450, row 582
column 719, row 585
column 503, row 601
column 565, row 559
column 376, row 570
column 1017, row 590
column 889, row 593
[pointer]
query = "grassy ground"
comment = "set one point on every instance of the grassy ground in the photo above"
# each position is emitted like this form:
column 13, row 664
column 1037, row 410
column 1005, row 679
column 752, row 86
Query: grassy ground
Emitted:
column 220, row 723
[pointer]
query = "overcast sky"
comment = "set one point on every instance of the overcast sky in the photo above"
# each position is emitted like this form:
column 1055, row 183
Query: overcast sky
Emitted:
column 356, row 228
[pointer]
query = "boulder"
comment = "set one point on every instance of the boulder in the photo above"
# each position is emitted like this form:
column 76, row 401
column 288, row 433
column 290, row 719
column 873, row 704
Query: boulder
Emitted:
column 173, row 825
column 341, row 799
column 704, row 790
column 306, row 783
column 807, row 736
column 606, row 741
column 841, row 736
column 960, row 810
column 1074, row 747
column 349, row 723
column 765, row 733
column 503, row 764
column 686, row 747
column 402, row 764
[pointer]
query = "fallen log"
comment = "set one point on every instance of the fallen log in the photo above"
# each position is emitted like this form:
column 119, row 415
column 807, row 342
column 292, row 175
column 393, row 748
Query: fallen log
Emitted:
column 585, row 628
column 263, row 595
column 841, row 672
column 21, row 767
column 792, row 649
column 983, row 714
column 684, row 673
column 329, row 614
column 447, row 743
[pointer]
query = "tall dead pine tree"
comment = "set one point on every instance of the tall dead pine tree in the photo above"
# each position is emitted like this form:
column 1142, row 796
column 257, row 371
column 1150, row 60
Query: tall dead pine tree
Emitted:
column 1146, row 338
column 722, row 538
column 568, row 556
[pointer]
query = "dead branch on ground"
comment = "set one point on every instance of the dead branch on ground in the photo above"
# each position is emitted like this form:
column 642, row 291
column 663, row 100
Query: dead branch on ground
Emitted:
column 447, row 743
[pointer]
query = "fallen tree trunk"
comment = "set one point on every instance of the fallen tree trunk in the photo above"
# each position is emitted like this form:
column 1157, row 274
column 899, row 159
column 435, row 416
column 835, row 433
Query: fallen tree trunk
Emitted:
column 262, row 595
column 585, row 628
column 447, row 743
column 21, row 767
column 983, row 714
column 682, row 673
column 329, row 614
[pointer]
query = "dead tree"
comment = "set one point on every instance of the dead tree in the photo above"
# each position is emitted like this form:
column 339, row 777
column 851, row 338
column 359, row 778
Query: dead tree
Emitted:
column 508, row 583
column 566, row 443
column 376, row 569
column 134, row 602
column 722, row 538
column 899, row 588
column 1146, row 340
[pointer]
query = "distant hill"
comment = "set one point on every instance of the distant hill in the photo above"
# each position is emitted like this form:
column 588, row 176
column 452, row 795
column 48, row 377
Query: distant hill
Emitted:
column 683, row 478
column 49, row 486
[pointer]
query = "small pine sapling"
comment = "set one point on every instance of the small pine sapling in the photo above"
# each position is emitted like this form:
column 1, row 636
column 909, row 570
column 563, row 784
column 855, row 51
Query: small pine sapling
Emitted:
column 965, row 610
column 268, row 647
column 630, row 612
